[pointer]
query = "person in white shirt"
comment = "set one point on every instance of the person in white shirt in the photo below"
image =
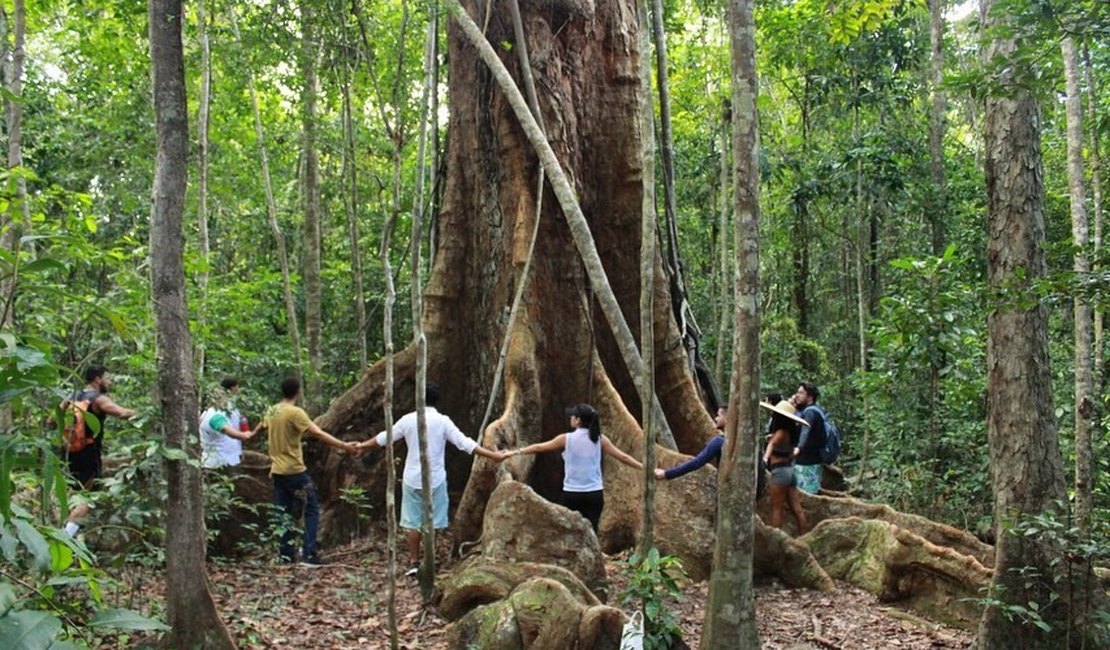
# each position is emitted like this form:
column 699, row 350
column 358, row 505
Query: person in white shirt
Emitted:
column 583, row 488
column 221, row 439
column 441, row 430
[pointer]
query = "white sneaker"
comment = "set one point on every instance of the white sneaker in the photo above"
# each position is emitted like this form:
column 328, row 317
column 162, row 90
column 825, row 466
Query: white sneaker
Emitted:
column 412, row 570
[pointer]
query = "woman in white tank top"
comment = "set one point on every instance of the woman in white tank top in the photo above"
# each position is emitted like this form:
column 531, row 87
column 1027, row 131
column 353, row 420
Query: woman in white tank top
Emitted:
column 583, row 488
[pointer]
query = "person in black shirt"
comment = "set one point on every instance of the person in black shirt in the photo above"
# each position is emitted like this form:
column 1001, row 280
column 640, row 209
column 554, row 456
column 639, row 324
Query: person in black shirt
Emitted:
column 807, row 454
column 85, row 466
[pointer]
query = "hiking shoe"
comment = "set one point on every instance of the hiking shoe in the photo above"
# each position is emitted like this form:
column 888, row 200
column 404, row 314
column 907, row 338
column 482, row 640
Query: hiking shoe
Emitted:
column 412, row 570
column 312, row 562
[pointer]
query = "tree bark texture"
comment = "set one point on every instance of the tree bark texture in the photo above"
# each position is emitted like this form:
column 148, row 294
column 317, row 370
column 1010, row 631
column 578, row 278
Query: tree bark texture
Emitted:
column 190, row 609
column 730, row 614
column 1080, row 233
column 590, row 100
column 1027, row 474
column 647, row 252
column 313, row 291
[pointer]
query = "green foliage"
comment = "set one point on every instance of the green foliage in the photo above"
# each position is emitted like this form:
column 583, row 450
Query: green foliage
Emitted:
column 652, row 584
column 1073, row 589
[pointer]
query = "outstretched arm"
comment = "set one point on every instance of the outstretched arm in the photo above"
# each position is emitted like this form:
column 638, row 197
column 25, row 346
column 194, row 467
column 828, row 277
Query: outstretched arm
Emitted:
column 711, row 451
column 108, row 407
column 229, row 430
column 555, row 444
column 608, row 447
column 331, row 440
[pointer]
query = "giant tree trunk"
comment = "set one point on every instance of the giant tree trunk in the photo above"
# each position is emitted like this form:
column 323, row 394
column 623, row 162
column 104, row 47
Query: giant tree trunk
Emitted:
column 313, row 291
column 1084, row 403
column 590, row 99
column 189, row 607
column 730, row 614
column 1027, row 474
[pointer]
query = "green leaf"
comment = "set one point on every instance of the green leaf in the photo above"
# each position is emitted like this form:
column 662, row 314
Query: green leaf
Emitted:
column 35, row 543
column 126, row 619
column 172, row 453
column 7, row 598
column 28, row 630
column 44, row 264
column 61, row 557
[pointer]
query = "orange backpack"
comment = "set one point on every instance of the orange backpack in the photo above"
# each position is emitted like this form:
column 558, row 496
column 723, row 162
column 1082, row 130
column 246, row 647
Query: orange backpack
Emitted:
column 75, row 433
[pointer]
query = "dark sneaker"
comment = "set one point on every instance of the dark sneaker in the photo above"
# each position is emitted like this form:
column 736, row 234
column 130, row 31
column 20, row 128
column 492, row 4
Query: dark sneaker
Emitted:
column 312, row 561
column 412, row 570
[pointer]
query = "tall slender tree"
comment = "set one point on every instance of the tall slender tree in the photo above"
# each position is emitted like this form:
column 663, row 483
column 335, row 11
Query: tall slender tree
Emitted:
column 1080, row 232
column 191, row 612
column 420, row 342
column 1027, row 474
column 938, row 106
column 310, row 185
column 730, row 615
column 647, row 260
column 203, row 110
column 1099, row 380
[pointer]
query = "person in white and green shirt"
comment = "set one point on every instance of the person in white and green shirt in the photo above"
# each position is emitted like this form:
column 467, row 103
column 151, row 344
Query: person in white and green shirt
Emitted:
column 221, row 441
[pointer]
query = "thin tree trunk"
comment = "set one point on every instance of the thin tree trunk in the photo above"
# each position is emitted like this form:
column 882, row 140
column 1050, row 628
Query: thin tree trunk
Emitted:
column 202, row 187
column 861, row 310
column 350, row 169
column 1084, row 403
column 724, row 263
column 1027, row 474
column 312, row 208
column 272, row 214
column 647, row 266
column 387, row 407
column 15, row 117
column 1099, row 380
column 190, row 610
column 730, row 614
column 683, row 314
column 427, row 573
column 579, row 228
column 937, row 108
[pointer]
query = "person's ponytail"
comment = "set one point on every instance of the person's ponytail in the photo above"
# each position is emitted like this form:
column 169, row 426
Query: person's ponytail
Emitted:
column 595, row 430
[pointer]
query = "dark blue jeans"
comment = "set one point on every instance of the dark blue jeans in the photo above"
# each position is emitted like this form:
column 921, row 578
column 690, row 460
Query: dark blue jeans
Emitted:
column 296, row 495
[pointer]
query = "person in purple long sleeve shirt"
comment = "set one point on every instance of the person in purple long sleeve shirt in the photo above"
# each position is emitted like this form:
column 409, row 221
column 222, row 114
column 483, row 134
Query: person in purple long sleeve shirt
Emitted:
column 711, row 452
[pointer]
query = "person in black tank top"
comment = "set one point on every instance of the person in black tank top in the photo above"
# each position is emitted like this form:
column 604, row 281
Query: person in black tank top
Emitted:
column 85, row 466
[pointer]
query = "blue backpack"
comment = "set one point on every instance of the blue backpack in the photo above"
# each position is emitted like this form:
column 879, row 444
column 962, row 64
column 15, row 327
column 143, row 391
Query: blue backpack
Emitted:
column 830, row 451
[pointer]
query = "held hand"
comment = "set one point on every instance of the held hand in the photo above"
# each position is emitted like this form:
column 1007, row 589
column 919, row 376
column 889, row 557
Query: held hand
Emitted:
column 660, row 474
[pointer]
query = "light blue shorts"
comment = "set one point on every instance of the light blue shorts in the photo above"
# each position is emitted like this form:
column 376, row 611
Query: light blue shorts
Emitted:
column 412, row 510
column 809, row 478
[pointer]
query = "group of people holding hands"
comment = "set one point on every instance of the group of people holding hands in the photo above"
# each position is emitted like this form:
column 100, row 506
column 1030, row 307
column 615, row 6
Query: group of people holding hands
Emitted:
column 794, row 437
column 582, row 449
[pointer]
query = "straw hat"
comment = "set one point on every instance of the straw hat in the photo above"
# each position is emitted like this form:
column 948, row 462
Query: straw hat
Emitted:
column 784, row 408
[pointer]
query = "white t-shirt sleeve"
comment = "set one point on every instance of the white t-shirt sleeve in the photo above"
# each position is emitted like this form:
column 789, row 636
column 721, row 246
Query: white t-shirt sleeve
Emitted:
column 399, row 428
column 458, row 438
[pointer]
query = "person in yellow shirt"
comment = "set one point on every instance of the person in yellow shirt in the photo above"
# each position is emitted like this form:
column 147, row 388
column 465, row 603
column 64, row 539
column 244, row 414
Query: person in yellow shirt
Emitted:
column 286, row 424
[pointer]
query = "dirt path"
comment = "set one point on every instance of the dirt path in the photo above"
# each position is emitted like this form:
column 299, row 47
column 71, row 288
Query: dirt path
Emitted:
column 343, row 605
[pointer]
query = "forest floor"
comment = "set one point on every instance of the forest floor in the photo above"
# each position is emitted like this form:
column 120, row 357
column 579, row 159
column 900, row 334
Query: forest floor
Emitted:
column 343, row 605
